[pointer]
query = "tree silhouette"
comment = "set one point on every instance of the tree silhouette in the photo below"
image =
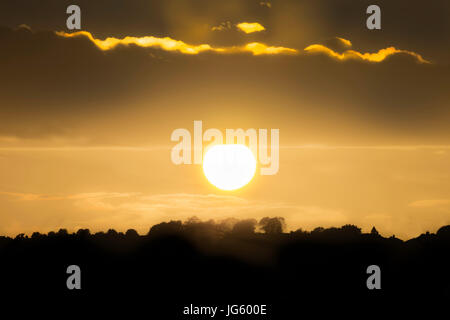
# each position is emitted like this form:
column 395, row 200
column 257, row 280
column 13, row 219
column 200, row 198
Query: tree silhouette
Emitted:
column 132, row 234
column 83, row 233
column 350, row 229
column 62, row 233
column 245, row 227
column 444, row 232
column 374, row 231
column 166, row 228
column 272, row 225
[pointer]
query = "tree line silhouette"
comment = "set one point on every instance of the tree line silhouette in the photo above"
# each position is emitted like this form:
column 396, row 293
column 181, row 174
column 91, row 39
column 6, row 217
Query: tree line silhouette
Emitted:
column 232, row 261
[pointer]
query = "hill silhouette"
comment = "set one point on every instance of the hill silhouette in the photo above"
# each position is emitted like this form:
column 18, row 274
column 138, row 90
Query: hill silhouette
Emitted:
column 231, row 262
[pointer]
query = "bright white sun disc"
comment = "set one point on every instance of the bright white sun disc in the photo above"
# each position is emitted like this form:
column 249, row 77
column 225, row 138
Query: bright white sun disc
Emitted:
column 229, row 166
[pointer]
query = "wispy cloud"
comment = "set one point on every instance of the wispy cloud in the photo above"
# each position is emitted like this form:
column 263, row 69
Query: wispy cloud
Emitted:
column 430, row 203
column 258, row 48
column 162, row 207
column 169, row 44
column 255, row 48
column 24, row 27
column 79, row 196
column 250, row 27
column 345, row 42
column 165, row 43
column 222, row 27
column 436, row 149
column 379, row 56
column 440, row 148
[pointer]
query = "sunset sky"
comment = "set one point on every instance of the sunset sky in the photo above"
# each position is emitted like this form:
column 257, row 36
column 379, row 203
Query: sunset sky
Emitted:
column 86, row 117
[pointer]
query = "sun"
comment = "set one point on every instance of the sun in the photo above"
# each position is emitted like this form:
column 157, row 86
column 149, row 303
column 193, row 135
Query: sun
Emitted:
column 229, row 166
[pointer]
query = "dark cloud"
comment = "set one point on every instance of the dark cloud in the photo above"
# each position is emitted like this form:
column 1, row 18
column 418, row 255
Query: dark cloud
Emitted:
column 52, row 85
column 418, row 25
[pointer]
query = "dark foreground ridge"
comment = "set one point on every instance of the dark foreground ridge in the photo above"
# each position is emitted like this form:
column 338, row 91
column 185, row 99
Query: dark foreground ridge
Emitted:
column 205, row 263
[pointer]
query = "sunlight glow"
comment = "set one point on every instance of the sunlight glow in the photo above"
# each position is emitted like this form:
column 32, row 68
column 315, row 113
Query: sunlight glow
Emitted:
column 229, row 166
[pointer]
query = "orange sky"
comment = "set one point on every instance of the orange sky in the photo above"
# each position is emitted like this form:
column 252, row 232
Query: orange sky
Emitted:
column 86, row 118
